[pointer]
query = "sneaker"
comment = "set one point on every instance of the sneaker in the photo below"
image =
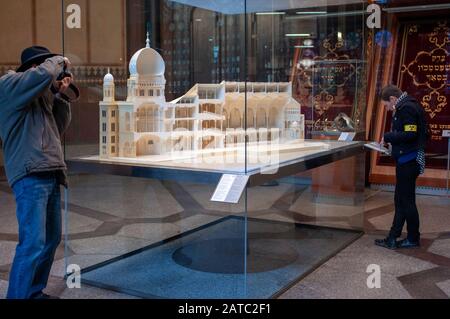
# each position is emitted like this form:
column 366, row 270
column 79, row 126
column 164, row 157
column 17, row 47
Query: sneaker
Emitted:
column 387, row 242
column 405, row 243
column 42, row 295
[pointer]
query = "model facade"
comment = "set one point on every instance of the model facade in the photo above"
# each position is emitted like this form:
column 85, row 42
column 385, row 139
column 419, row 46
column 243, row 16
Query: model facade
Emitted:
column 207, row 116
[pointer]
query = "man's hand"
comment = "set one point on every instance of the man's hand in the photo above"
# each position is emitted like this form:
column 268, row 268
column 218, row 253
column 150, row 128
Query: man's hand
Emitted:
column 67, row 62
column 64, row 84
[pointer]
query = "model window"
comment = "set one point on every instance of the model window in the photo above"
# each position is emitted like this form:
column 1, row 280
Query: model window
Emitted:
column 113, row 113
column 104, row 139
column 151, row 92
column 104, row 127
column 113, row 149
column 104, row 150
column 113, row 127
column 150, row 142
column 158, row 92
column 142, row 92
column 127, row 121
column 104, row 113
column 113, row 139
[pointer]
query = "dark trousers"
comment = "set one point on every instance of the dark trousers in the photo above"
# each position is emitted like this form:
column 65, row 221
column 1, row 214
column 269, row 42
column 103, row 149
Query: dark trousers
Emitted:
column 405, row 201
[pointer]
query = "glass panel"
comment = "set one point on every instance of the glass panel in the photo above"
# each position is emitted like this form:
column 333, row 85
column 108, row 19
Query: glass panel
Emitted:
column 305, row 197
column 147, row 147
column 179, row 93
column 24, row 23
column 175, row 93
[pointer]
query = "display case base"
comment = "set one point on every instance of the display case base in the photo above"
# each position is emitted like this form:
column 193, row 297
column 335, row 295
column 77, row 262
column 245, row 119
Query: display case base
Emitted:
column 214, row 261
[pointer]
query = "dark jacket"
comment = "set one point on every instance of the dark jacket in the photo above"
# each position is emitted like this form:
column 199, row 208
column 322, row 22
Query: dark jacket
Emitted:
column 32, row 121
column 409, row 128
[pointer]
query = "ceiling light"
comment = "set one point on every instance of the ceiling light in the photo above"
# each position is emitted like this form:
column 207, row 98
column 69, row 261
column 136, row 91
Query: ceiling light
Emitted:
column 311, row 12
column 297, row 35
column 270, row 13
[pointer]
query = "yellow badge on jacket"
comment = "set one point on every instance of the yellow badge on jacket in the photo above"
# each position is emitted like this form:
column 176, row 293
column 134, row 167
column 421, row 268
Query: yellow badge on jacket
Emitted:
column 410, row 128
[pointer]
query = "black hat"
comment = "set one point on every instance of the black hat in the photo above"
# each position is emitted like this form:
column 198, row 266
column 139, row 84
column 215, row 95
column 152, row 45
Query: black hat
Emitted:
column 34, row 55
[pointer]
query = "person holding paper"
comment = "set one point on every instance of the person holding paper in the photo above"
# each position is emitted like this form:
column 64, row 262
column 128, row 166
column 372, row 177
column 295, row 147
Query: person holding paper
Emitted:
column 407, row 138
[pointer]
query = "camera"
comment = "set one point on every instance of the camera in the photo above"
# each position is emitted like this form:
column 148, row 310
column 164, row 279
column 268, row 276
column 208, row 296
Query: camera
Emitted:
column 64, row 74
column 73, row 93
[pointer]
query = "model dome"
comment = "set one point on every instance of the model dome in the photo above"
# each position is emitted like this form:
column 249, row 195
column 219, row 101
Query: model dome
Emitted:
column 108, row 79
column 147, row 62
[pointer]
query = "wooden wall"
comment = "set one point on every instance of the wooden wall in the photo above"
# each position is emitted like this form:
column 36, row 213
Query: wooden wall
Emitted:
column 100, row 41
column 384, row 67
column 27, row 22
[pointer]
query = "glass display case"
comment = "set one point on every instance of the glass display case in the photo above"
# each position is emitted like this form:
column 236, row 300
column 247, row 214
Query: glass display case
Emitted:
column 181, row 103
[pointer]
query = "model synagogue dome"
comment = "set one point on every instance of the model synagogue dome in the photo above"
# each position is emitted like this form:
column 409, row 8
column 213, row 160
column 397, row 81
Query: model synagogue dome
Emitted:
column 108, row 79
column 147, row 62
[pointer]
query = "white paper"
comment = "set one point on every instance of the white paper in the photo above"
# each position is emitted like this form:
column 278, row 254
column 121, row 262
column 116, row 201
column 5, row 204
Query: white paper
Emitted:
column 230, row 188
column 445, row 133
column 378, row 147
column 347, row 136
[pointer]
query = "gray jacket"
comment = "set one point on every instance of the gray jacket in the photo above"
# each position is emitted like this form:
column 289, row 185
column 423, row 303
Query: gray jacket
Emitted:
column 32, row 121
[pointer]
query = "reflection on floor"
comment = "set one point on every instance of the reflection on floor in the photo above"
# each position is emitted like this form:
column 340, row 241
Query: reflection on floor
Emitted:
column 210, row 263
column 110, row 216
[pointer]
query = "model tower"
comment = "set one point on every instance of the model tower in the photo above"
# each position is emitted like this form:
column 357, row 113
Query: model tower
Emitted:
column 108, row 119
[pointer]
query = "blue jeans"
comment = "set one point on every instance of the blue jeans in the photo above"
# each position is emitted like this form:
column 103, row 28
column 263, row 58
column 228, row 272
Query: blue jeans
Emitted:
column 38, row 199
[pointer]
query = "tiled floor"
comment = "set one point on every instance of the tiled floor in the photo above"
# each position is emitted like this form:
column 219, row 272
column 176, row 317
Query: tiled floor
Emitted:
column 102, row 226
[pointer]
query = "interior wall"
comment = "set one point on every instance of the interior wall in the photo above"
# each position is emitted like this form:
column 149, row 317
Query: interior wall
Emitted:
column 99, row 41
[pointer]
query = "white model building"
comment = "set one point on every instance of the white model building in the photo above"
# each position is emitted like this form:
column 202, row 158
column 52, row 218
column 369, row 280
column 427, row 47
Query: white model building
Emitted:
column 207, row 116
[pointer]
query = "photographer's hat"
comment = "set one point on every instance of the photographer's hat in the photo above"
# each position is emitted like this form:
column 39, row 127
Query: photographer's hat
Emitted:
column 34, row 55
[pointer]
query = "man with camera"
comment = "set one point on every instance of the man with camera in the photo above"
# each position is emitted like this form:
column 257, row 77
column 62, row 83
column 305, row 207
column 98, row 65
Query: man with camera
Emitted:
column 34, row 113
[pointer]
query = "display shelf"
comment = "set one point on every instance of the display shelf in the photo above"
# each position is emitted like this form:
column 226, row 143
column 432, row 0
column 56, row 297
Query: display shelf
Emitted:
column 289, row 163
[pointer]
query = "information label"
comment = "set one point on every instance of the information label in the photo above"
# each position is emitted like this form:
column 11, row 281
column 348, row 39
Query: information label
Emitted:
column 445, row 133
column 230, row 188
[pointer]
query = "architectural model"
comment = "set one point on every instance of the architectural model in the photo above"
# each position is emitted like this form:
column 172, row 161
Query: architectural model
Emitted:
column 207, row 116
